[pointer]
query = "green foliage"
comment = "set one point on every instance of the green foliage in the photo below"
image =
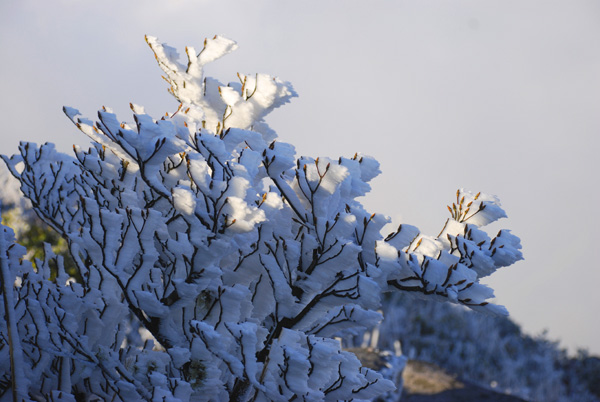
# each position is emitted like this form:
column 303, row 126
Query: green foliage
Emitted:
column 32, row 232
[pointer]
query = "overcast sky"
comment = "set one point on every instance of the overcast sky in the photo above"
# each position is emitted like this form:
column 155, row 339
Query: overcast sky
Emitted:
column 497, row 96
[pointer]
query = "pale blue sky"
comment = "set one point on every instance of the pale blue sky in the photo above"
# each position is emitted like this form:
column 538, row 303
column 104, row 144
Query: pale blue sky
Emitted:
column 497, row 96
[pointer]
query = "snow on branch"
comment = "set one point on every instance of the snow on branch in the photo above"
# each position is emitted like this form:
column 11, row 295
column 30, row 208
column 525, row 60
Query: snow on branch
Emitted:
column 215, row 264
column 451, row 264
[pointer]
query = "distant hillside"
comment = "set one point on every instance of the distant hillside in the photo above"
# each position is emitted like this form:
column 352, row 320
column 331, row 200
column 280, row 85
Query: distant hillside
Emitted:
column 490, row 351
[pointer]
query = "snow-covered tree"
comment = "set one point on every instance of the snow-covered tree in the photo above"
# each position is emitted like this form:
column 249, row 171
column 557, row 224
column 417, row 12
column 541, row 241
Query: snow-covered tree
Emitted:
column 215, row 264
